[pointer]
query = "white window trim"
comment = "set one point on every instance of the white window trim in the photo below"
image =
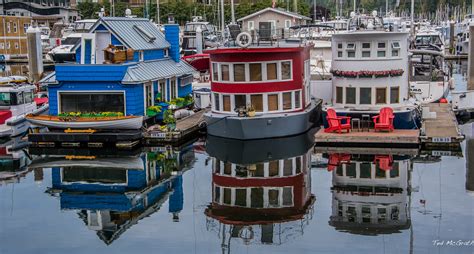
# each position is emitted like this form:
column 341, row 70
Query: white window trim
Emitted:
column 265, row 102
column 287, row 23
column 250, row 25
column 247, row 71
column 373, row 51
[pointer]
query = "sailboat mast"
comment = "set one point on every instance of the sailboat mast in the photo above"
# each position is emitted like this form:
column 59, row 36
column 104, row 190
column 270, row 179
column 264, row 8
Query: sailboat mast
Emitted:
column 222, row 16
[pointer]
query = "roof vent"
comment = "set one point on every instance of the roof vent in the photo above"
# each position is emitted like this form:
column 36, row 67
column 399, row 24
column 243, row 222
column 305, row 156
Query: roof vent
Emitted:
column 144, row 34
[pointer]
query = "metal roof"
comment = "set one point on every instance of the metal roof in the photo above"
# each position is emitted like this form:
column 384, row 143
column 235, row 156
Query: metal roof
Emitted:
column 278, row 10
column 130, row 32
column 49, row 79
column 155, row 70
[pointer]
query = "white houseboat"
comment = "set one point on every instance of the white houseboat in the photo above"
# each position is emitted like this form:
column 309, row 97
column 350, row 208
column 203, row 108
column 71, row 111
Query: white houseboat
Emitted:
column 370, row 71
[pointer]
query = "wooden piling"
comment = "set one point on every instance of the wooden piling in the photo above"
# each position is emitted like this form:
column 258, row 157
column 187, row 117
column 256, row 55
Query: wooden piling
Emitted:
column 470, row 66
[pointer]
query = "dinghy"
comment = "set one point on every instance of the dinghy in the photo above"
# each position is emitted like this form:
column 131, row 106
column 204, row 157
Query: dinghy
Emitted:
column 96, row 123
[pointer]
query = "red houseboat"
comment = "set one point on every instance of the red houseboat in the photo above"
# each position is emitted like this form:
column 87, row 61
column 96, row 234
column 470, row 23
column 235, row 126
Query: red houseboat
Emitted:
column 261, row 91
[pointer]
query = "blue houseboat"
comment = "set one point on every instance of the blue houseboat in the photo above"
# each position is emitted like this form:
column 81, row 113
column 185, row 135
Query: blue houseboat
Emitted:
column 124, row 65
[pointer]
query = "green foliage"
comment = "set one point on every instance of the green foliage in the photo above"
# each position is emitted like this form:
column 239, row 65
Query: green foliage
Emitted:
column 168, row 117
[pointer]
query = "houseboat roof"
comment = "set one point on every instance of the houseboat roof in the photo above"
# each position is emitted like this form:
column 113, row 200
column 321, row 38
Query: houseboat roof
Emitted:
column 139, row 72
column 279, row 46
column 156, row 69
column 135, row 33
column 277, row 10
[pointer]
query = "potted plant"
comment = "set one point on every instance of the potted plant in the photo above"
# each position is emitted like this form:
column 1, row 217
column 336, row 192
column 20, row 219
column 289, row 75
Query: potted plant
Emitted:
column 153, row 110
column 250, row 111
column 169, row 119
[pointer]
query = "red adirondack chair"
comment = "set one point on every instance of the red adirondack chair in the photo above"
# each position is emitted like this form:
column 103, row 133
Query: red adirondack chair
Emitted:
column 336, row 122
column 336, row 159
column 384, row 121
column 385, row 162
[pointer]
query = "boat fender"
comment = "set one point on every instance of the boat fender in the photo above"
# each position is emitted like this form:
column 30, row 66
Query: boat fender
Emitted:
column 202, row 125
column 244, row 39
column 452, row 83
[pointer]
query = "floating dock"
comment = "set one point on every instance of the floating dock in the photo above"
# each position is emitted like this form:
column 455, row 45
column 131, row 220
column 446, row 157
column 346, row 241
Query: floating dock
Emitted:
column 396, row 138
column 440, row 126
column 186, row 128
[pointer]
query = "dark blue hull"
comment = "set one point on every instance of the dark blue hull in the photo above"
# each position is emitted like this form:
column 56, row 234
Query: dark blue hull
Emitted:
column 405, row 120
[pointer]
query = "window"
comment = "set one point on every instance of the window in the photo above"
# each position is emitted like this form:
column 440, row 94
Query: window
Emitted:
column 338, row 94
column 250, row 25
column 16, row 45
column 381, row 95
column 366, row 49
column 273, row 198
column 256, row 197
column 8, row 45
column 350, row 48
column 339, row 45
column 255, row 71
column 381, row 52
column 173, row 89
column 273, row 168
column 286, row 101
column 239, row 72
column 226, row 102
column 339, row 53
column 395, row 49
column 365, row 170
column 365, row 95
column 287, row 23
column 351, row 171
column 273, row 102
column 297, row 99
column 15, row 27
column 215, row 72
column 240, row 197
column 272, row 71
column 227, row 196
column 287, row 167
column 8, row 27
column 350, row 95
column 227, row 168
column 394, row 94
column 287, row 196
column 87, row 102
column 25, row 27
column 2, row 45
column 19, row 98
column 240, row 101
column 285, row 70
column 224, row 72
column 351, row 54
column 257, row 102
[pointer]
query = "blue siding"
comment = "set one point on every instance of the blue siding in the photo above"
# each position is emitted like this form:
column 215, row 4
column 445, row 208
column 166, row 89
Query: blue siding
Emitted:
column 184, row 90
column 172, row 36
column 92, row 72
column 153, row 54
column 100, row 28
column 78, row 54
column 177, row 198
column 133, row 94
column 115, row 41
column 137, row 179
column 115, row 202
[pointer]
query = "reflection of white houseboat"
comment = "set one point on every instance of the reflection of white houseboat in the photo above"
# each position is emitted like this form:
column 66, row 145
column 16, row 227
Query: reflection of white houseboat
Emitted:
column 370, row 194
column 13, row 160
column 370, row 71
column 253, row 196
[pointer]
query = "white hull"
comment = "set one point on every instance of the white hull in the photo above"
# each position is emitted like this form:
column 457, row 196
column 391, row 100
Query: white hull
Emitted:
column 428, row 92
column 17, row 125
column 121, row 124
column 128, row 163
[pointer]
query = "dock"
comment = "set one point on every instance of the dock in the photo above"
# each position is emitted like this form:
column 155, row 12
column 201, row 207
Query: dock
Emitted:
column 440, row 126
column 396, row 138
column 186, row 128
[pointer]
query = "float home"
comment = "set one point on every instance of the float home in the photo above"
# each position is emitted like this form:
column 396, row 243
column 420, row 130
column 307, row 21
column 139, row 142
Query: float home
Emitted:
column 122, row 65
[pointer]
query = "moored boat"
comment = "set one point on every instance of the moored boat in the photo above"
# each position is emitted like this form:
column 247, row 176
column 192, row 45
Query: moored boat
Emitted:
column 16, row 101
column 96, row 123
column 370, row 71
column 261, row 91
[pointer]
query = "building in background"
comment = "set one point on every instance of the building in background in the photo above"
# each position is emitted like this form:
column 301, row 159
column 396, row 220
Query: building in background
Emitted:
column 279, row 19
column 43, row 12
column 13, row 36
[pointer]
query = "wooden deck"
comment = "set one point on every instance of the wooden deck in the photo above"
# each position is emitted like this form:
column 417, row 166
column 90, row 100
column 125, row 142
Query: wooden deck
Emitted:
column 396, row 138
column 440, row 126
column 185, row 127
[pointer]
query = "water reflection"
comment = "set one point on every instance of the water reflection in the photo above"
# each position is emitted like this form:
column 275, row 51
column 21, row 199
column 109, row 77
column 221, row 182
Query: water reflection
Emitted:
column 261, row 190
column 370, row 193
column 111, row 193
column 14, row 160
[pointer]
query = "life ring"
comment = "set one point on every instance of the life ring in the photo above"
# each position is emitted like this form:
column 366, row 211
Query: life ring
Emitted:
column 242, row 42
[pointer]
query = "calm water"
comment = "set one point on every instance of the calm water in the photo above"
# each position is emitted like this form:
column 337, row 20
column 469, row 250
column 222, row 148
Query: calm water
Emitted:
column 224, row 196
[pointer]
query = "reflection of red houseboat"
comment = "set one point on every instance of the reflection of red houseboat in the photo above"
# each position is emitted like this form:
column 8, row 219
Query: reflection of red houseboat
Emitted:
column 261, row 92
column 253, row 199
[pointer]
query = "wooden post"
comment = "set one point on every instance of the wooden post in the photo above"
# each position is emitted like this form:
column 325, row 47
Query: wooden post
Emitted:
column 470, row 68
column 470, row 162
column 451, row 38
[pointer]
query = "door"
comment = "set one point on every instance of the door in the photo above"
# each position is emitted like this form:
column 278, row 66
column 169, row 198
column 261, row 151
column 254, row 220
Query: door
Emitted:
column 102, row 39
column 88, row 48
column 162, row 90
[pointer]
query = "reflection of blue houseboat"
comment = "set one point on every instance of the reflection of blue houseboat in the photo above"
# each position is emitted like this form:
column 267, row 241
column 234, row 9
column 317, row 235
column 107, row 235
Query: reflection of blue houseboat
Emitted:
column 122, row 65
column 112, row 194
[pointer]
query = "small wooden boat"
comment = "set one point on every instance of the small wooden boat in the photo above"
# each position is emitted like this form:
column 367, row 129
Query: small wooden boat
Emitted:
column 96, row 123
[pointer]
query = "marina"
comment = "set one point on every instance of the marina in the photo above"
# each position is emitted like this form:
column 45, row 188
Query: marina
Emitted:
column 236, row 127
